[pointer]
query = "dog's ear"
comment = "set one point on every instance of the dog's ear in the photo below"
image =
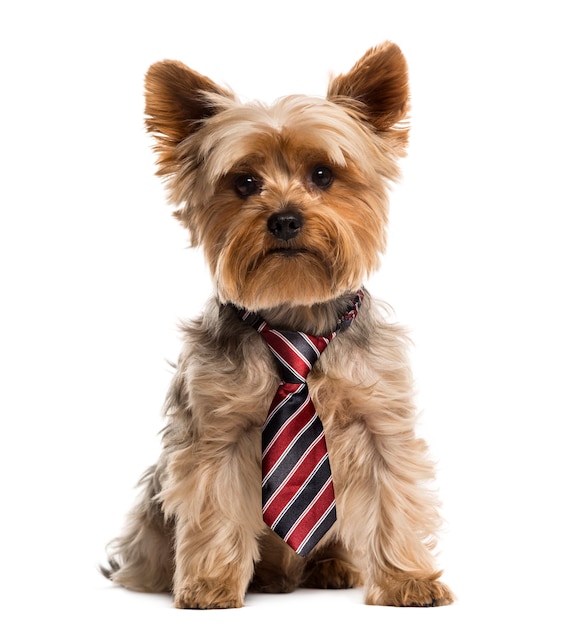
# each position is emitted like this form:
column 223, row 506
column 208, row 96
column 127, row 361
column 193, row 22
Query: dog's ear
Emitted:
column 377, row 88
column 177, row 100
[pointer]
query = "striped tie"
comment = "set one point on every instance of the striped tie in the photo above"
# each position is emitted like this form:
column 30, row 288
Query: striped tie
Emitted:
column 297, row 491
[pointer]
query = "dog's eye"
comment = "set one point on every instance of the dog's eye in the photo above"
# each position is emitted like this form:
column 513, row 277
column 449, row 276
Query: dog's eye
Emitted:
column 246, row 185
column 322, row 176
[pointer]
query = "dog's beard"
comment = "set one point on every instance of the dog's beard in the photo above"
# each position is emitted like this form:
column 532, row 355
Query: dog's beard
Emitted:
column 312, row 270
column 293, row 276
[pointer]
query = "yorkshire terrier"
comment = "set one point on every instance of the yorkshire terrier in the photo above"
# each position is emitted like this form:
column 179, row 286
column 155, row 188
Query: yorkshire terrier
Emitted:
column 290, row 205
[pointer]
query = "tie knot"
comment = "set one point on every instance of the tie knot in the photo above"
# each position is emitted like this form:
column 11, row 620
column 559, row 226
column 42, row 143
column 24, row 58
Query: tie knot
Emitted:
column 295, row 352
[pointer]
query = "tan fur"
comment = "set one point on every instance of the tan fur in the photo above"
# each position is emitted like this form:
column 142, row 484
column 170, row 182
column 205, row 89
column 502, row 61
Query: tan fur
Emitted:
column 197, row 529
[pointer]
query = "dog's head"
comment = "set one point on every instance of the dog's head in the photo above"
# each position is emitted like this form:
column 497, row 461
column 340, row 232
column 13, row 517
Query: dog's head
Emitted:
column 289, row 201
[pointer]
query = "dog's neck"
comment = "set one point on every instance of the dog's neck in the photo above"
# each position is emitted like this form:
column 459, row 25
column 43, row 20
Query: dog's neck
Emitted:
column 317, row 319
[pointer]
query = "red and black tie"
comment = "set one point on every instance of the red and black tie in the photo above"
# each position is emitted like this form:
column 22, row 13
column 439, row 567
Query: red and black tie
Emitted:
column 297, row 491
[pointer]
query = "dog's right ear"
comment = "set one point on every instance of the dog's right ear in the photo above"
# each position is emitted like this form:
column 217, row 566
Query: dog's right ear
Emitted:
column 177, row 101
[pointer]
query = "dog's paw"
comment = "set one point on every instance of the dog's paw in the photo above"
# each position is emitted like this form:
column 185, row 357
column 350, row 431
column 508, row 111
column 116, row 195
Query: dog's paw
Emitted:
column 331, row 574
column 207, row 593
column 410, row 592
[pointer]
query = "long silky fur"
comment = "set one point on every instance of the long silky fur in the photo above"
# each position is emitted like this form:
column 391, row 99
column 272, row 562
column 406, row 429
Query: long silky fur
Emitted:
column 197, row 529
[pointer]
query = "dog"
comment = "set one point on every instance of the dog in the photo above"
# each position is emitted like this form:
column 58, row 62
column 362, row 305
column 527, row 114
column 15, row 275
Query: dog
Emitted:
column 290, row 205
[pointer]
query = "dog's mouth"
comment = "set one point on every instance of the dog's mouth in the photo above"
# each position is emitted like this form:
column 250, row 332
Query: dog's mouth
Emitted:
column 281, row 255
column 288, row 252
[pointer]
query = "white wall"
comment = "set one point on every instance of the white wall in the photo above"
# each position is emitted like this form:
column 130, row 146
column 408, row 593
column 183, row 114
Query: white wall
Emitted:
column 95, row 274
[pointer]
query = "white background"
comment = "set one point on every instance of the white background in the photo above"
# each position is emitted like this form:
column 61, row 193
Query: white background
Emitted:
column 96, row 274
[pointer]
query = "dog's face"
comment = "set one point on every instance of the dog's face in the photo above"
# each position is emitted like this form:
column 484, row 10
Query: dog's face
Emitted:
column 289, row 201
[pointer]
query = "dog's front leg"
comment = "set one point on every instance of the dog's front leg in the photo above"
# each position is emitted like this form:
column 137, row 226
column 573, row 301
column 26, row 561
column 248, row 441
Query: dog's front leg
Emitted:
column 387, row 513
column 403, row 522
column 213, row 565
column 390, row 518
column 214, row 494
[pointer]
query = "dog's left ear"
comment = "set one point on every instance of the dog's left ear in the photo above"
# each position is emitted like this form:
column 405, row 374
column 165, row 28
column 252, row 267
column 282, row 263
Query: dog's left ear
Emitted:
column 377, row 87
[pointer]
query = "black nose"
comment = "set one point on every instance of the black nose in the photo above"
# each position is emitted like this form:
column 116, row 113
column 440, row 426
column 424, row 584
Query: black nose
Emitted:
column 285, row 225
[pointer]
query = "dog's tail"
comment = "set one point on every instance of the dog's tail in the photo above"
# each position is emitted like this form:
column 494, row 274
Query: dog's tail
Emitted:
column 141, row 558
